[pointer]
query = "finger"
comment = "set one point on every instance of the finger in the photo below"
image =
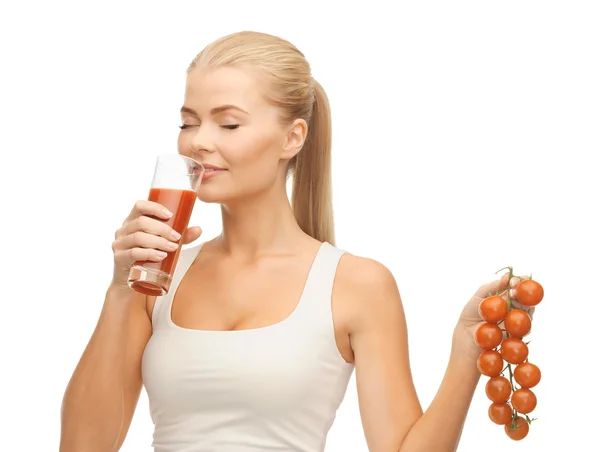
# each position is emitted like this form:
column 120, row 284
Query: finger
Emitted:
column 191, row 235
column 139, row 254
column 514, row 282
column 150, row 226
column 149, row 208
column 141, row 239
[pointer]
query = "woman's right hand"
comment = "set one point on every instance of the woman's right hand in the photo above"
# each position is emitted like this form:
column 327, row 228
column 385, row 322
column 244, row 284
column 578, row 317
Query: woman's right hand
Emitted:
column 145, row 236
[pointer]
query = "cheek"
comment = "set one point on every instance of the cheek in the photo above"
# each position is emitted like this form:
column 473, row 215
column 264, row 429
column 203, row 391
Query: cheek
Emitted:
column 252, row 151
column 184, row 144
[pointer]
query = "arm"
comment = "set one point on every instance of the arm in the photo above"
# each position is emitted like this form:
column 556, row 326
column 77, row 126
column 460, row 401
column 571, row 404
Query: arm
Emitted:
column 392, row 416
column 440, row 428
column 103, row 392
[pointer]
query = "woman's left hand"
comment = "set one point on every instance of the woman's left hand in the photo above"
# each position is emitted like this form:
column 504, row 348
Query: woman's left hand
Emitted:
column 470, row 319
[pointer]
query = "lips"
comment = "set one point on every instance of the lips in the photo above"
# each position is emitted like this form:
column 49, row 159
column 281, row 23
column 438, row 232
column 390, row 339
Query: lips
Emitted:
column 209, row 168
column 211, row 171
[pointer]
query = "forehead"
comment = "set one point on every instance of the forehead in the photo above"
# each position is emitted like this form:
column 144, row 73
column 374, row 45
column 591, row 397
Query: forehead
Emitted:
column 207, row 88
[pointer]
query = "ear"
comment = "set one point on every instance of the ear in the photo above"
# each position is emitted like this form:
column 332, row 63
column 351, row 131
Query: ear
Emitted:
column 295, row 138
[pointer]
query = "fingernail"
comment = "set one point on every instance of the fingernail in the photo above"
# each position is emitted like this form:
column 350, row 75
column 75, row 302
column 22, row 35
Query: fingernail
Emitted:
column 176, row 235
column 167, row 213
column 161, row 254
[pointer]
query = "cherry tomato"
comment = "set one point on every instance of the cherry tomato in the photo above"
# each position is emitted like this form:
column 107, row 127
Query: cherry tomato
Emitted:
column 500, row 413
column 488, row 336
column 490, row 363
column 527, row 375
column 493, row 309
column 523, row 401
column 517, row 430
column 514, row 350
column 529, row 292
column 517, row 323
column 498, row 389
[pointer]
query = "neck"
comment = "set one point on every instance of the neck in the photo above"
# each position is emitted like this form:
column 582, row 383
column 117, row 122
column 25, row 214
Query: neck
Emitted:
column 259, row 225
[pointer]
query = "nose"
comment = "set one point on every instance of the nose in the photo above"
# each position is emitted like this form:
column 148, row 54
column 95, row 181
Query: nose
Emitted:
column 201, row 142
column 197, row 143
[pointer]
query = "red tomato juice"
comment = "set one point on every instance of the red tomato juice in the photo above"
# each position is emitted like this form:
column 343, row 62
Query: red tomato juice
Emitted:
column 181, row 204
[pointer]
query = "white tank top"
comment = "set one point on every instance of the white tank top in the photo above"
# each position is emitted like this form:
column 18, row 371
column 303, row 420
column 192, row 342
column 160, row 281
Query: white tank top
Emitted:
column 275, row 388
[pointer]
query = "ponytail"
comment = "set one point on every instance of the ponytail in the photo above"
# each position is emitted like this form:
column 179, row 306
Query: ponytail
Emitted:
column 312, row 193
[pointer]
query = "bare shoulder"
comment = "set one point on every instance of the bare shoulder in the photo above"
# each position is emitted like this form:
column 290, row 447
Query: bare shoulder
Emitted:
column 368, row 302
column 185, row 254
column 364, row 272
column 365, row 293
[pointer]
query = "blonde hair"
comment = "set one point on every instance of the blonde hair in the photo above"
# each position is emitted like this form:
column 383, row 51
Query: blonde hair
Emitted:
column 293, row 89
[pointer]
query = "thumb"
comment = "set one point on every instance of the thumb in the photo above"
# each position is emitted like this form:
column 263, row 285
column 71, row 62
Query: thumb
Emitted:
column 493, row 287
column 191, row 234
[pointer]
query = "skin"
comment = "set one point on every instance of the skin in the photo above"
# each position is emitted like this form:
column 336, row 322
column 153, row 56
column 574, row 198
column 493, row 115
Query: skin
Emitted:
column 260, row 240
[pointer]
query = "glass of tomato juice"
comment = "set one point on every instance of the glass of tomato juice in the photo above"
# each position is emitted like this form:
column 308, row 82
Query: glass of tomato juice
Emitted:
column 174, row 186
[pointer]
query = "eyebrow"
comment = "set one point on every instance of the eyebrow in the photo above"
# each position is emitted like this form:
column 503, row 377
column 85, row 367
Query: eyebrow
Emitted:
column 215, row 110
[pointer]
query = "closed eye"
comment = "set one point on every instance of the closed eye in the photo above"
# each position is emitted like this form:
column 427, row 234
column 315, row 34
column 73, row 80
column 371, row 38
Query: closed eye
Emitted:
column 228, row 127
column 186, row 126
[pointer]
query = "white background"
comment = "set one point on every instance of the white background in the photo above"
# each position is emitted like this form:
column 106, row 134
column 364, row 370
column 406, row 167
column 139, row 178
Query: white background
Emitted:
column 465, row 136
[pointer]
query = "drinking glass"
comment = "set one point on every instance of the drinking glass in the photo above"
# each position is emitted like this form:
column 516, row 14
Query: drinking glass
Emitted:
column 174, row 185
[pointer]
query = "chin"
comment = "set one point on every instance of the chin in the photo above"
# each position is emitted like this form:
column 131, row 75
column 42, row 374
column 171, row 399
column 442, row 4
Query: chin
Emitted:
column 224, row 192
column 214, row 195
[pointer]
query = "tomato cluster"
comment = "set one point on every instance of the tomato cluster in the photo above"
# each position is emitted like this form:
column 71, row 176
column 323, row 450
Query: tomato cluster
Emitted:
column 501, row 339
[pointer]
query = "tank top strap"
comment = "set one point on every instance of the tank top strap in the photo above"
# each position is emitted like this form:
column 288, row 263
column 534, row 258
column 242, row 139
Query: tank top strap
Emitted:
column 162, row 306
column 316, row 298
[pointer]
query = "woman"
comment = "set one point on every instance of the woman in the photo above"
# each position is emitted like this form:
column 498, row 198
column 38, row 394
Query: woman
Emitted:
column 253, row 347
